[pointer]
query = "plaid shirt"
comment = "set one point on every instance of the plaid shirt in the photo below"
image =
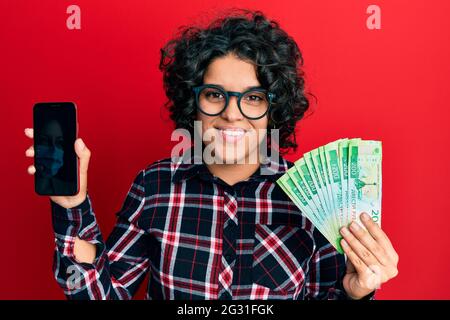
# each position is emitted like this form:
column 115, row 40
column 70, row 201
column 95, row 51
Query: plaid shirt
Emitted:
column 199, row 238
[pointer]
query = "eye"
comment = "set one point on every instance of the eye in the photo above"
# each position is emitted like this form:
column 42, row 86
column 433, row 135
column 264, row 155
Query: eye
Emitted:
column 213, row 95
column 255, row 98
column 43, row 139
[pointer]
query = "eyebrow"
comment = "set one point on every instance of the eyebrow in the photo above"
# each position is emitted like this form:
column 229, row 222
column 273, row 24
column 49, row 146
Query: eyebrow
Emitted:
column 245, row 89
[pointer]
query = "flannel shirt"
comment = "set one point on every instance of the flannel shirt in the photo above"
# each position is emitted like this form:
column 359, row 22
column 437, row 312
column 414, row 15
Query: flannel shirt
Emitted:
column 199, row 238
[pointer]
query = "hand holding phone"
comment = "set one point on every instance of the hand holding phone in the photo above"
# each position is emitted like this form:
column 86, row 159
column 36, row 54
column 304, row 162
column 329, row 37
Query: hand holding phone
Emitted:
column 83, row 154
column 50, row 162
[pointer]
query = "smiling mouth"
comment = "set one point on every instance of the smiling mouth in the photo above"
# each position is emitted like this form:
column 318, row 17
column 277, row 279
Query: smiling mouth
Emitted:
column 232, row 134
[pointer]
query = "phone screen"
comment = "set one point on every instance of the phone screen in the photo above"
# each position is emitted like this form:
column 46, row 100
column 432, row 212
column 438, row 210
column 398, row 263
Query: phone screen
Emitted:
column 55, row 132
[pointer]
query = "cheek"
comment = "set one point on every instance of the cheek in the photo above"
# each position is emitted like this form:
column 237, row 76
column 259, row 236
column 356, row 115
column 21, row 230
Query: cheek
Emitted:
column 260, row 126
column 206, row 123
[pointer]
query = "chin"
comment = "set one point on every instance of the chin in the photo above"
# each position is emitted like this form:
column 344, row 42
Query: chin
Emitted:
column 231, row 150
column 222, row 155
column 229, row 155
column 233, row 155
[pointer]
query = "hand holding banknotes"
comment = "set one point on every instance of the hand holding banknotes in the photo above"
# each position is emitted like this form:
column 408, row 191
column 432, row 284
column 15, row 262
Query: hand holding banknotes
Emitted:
column 372, row 259
column 332, row 185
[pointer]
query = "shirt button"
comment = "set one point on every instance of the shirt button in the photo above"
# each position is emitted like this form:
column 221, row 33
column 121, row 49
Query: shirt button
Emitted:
column 228, row 257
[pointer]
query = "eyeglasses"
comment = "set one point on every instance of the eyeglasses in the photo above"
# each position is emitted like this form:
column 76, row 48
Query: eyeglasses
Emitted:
column 253, row 103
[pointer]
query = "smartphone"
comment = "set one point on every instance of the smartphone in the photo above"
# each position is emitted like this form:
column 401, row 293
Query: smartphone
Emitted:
column 55, row 131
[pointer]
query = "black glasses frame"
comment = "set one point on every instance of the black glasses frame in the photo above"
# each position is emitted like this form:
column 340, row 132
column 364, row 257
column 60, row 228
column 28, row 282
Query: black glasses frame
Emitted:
column 227, row 94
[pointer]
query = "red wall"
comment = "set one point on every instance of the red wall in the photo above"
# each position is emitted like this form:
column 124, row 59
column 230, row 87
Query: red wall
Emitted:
column 390, row 84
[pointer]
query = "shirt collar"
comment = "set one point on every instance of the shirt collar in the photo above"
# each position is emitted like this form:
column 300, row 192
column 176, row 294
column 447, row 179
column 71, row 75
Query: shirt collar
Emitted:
column 190, row 165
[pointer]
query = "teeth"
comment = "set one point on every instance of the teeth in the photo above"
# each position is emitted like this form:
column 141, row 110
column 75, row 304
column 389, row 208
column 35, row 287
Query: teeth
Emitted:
column 234, row 133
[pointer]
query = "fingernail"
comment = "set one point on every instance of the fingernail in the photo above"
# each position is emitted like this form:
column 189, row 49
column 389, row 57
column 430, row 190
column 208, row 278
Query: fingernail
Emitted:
column 344, row 231
column 354, row 226
column 81, row 143
column 365, row 216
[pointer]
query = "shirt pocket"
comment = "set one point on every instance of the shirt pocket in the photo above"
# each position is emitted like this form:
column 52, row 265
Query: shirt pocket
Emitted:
column 281, row 255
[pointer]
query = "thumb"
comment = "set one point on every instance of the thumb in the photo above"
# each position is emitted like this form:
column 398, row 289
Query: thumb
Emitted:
column 84, row 154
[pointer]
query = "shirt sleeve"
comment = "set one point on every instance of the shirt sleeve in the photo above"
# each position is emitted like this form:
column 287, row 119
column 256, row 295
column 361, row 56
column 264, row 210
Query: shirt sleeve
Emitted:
column 326, row 272
column 121, row 261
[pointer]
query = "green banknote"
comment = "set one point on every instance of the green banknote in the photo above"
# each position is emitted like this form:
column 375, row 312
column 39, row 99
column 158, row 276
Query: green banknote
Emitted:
column 343, row 157
column 315, row 156
column 290, row 188
column 317, row 181
column 300, row 174
column 333, row 184
column 332, row 158
column 365, row 179
column 305, row 192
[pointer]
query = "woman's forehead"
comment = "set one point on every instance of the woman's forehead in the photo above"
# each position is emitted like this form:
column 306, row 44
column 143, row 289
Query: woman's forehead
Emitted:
column 231, row 73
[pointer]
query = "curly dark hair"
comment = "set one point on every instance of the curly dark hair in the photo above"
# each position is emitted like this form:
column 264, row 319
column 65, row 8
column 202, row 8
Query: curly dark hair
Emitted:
column 252, row 37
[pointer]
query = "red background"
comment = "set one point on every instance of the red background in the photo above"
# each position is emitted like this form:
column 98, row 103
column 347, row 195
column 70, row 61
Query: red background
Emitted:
column 390, row 84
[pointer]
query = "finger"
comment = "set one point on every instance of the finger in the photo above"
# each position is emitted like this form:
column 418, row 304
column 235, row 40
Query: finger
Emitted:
column 31, row 170
column 84, row 154
column 370, row 276
column 30, row 152
column 358, row 247
column 369, row 242
column 29, row 132
column 358, row 264
column 375, row 230
column 379, row 235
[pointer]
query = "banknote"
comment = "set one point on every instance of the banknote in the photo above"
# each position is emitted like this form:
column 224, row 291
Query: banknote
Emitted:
column 365, row 179
column 305, row 192
column 333, row 184
column 297, row 197
column 332, row 159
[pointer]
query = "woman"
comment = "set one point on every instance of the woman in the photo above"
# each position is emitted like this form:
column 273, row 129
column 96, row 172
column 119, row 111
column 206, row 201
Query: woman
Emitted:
column 218, row 229
column 50, row 159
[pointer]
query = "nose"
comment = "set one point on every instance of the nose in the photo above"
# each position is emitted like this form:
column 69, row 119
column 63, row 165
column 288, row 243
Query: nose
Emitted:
column 52, row 142
column 232, row 112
